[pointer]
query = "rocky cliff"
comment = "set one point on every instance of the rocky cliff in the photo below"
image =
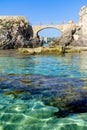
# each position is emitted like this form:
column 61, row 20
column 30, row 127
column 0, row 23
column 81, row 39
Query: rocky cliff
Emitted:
column 16, row 32
column 76, row 35
column 80, row 36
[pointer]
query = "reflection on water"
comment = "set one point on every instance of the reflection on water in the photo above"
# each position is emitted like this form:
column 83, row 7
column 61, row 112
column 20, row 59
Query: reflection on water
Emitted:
column 43, row 92
column 83, row 63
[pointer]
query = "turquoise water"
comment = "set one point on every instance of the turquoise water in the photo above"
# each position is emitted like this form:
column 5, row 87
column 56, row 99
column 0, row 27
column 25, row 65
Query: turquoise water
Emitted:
column 43, row 92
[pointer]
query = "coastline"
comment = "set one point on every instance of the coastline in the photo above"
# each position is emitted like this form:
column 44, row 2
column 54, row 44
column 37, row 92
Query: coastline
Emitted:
column 51, row 50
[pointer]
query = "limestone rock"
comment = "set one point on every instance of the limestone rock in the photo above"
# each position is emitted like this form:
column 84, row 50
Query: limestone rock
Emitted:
column 80, row 36
column 14, row 32
column 35, row 42
column 67, row 36
column 75, row 34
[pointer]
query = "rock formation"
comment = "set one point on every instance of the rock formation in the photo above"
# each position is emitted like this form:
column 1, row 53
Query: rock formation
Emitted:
column 80, row 36
column 16, row 32
column 76, row 34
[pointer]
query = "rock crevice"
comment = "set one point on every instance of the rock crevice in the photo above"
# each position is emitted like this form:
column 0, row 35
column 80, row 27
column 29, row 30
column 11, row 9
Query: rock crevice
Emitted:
column 16, row 32
column 76, row 35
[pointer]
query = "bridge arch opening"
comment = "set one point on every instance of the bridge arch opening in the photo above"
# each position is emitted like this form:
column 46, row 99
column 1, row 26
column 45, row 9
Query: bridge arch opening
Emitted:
column 48, row 35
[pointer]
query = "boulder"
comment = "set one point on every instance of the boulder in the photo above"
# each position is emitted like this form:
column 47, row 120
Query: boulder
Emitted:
column 16, row 32
column 35, row 42
column 66, row 38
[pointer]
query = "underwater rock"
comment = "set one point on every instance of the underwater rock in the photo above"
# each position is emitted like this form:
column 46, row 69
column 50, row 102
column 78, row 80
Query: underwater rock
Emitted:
column 74, row 107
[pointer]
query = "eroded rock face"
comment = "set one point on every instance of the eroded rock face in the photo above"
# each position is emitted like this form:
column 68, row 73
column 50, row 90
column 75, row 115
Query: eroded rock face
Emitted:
column 67, row 36
column 15, row 32
column 81, row 30
column 76, row 35
column 80, row 36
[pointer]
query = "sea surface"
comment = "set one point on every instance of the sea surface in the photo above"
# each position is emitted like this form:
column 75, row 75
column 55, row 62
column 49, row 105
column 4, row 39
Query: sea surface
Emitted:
column 33, row 90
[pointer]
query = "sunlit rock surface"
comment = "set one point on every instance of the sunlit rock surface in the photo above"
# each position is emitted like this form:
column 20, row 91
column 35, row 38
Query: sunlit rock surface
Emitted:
column 76, row 35
column 15, row 32
column 80, row 36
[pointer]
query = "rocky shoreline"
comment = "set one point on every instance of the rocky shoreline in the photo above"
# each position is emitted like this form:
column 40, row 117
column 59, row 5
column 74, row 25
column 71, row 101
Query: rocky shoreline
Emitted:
column 48, row 50
column 17, row 33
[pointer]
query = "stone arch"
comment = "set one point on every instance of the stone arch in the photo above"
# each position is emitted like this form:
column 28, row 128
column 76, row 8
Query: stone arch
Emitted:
column 38, row 28
column 61, row 27
column 48, row 28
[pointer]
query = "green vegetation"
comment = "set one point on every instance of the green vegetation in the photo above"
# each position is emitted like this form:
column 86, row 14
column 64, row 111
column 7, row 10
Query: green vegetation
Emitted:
column 49, row 39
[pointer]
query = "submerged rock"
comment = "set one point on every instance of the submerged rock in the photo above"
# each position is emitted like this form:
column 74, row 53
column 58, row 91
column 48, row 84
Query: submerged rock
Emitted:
column 67, row 95
column 74, row 107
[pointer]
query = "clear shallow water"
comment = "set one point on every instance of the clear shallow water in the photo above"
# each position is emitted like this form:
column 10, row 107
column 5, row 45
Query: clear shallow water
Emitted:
column 62, row 66
column 34, row 88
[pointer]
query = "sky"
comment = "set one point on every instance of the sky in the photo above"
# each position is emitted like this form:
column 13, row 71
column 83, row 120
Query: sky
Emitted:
column 44, row 12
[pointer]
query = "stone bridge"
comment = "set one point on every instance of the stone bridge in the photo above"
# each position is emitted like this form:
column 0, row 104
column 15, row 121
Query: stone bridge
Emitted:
column 61, row 27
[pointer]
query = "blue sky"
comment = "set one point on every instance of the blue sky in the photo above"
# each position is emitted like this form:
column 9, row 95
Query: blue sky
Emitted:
column 44, row 11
